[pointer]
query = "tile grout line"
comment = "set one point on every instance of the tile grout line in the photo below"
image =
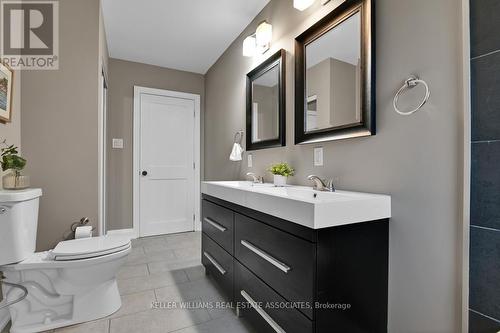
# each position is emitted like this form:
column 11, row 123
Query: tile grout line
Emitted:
column 484, row 228
column 486, row 316
column 484, row 55
column 176, row 259
column 485, row 141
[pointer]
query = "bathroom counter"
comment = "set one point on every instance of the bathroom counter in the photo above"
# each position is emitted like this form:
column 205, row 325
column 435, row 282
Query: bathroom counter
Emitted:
column 303, row 205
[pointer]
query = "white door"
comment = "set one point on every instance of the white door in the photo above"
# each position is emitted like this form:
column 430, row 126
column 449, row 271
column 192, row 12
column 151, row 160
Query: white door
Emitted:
column 167, row 202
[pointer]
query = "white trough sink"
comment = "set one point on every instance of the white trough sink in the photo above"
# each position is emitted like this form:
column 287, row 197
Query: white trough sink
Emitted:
column 303, row 205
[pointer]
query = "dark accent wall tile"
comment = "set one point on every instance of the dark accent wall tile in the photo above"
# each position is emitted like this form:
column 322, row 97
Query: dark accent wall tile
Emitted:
column 485, row 185
column 485, row 21
column 482, row 324
column 485, row 76
column 484, row 283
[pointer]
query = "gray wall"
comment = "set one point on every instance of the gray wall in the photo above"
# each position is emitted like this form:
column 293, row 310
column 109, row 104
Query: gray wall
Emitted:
column 267, row 100
column 123, row 75
column 344, row 95
column 417, row 159
column 60, row 124
column 319, row 83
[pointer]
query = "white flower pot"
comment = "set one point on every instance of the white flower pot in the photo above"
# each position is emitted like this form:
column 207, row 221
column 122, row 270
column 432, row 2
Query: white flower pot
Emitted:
column 279, row 181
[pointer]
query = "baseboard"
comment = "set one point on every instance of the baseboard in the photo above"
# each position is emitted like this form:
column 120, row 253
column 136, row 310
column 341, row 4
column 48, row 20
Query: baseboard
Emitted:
column 4, row 318
column 123, row 232
column 197, row 225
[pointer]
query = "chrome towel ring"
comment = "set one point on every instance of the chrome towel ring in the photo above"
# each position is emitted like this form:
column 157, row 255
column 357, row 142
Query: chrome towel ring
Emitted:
column 410, row 83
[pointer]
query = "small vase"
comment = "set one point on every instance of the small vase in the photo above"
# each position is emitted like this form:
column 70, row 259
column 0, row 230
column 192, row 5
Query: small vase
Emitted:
column 279, row 181
column 15, row 181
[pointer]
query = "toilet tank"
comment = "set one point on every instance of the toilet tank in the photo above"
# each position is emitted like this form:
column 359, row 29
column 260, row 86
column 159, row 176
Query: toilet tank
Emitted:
column 18, row 224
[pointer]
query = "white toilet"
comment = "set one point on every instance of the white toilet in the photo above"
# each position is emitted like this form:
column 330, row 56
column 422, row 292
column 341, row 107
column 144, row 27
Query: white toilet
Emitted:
column 73, row 283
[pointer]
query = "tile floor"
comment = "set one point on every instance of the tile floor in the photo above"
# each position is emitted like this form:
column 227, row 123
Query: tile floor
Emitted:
column 165, row 269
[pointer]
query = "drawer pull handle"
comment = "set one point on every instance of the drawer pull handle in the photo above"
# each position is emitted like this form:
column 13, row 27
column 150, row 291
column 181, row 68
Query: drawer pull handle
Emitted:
column 265, row 256
column 262, row 313
column 215, row 224
column 215, row 263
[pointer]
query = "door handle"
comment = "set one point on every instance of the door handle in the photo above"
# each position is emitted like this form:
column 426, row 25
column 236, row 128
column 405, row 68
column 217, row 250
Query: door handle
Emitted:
column 215, row 263
column 215, row 224
column 274, row 325
column 266, row 256
column 144, row 173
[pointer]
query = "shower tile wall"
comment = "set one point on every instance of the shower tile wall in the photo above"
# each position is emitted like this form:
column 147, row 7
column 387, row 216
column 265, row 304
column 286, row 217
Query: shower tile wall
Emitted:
column 484, row 300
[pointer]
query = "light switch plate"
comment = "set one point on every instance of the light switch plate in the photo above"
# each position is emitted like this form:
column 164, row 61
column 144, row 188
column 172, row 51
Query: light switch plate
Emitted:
column 318, row 156
column 250, row 160
column 118, row 143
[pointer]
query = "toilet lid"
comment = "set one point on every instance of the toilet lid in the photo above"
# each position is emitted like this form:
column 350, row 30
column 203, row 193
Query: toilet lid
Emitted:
column 89, row 247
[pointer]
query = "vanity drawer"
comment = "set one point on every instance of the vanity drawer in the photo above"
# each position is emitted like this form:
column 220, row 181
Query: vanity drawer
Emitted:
column 218, row 223
column 264, row 308
column 283, row 261
column 218, row 263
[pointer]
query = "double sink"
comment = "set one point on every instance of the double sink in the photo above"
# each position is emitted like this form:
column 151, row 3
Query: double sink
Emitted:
column 303, row 205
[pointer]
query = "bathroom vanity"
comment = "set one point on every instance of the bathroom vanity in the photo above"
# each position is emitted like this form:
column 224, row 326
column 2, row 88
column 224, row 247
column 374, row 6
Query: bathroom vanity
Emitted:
column 292, row 259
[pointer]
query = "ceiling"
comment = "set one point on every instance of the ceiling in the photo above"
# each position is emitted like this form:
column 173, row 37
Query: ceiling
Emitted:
column 187, row 35
column 342, row 43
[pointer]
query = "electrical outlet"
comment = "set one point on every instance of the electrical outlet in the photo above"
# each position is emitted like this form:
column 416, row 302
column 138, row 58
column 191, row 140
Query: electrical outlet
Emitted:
column 118, row 143
column 318, row 156
column 250, row 160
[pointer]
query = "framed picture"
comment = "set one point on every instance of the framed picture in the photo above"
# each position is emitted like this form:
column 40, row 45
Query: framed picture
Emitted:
column 6, row 76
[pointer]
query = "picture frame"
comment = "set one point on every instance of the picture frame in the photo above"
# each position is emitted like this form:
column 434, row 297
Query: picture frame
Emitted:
column 6, row 86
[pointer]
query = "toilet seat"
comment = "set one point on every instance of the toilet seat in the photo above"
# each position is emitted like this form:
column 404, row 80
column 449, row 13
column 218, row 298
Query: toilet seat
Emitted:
column 86, row 248
column 76, row 253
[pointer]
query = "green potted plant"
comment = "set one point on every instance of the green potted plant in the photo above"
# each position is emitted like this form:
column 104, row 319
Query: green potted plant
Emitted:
column 10, row 160
column 281, row 172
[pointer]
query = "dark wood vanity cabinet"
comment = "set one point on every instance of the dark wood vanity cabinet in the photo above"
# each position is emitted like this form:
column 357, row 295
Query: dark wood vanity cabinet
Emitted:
column 284, row 277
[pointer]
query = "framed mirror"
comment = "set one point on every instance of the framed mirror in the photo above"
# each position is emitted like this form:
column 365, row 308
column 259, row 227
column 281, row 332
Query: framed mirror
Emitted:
column 265, row 110
column 334, row 76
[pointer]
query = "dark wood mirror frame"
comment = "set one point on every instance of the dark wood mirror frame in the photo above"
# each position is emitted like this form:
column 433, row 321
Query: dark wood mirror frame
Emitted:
column 277, row 59
column 366, row 126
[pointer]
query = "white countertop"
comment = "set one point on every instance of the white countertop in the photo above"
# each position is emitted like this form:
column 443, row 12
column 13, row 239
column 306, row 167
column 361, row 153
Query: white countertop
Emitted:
column 301, row 204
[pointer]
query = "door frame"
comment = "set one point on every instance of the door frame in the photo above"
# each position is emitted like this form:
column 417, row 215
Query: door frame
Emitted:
column 102, row 150
column 138, row 90
column 464, row 234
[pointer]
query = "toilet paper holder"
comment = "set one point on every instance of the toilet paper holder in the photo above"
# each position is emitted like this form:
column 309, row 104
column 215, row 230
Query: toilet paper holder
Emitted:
column 71, row 234
column 83, row 221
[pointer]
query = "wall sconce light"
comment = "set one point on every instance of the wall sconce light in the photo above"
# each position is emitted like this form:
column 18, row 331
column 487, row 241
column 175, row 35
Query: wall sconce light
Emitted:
column 249, row 46
column 263, row 35
column 302, row 4
column 260, row 41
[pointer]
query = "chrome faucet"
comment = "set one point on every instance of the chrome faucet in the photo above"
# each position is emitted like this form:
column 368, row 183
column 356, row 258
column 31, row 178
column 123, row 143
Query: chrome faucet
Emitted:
column 319, row 184
column 256, row 179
